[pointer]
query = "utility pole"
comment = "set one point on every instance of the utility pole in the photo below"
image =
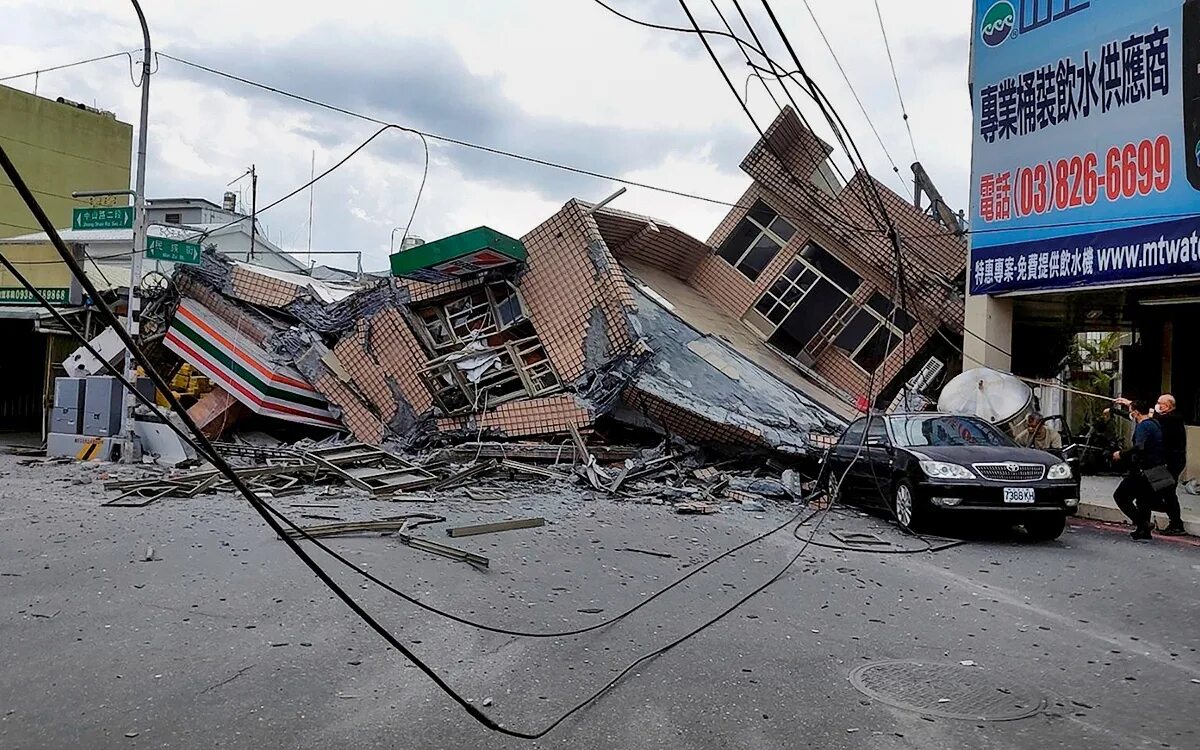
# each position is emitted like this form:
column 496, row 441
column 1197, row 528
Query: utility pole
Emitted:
column 922, row 184
column 253, row 209
column 131, row 454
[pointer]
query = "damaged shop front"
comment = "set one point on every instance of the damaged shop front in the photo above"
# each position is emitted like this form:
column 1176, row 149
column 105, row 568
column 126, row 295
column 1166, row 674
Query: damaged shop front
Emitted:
column 477, row 336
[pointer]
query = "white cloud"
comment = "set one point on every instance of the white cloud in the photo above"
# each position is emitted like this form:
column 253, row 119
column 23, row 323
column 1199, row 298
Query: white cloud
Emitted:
column 562, row 79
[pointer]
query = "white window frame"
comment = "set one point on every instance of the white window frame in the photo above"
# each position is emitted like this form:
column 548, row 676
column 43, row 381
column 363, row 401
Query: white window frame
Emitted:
column 808, row 268
column 763, row 231
column 880, row 322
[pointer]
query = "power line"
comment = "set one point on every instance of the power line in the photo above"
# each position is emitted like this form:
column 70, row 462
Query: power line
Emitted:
column 854, row 92
column 896, row 78
column 420, row 191
column 476, row 146
column 746, row 55
column 64, row 66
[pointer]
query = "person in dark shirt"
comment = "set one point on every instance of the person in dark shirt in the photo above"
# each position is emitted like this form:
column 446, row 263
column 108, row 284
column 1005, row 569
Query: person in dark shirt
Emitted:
column 1175, row 447
column 1134, row 495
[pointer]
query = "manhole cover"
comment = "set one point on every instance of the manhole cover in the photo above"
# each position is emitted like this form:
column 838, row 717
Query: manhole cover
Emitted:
column 950, row 691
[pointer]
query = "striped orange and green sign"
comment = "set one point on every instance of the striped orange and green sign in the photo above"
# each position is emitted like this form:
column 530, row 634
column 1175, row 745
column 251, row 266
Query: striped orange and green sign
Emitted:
column 241, row 367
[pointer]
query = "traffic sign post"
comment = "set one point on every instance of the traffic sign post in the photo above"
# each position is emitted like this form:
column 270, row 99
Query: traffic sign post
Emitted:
column 117, row 217
column 175, row 251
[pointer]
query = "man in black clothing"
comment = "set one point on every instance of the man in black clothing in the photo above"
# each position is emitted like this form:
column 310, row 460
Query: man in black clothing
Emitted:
column 1134, row 495
column 1175, row 451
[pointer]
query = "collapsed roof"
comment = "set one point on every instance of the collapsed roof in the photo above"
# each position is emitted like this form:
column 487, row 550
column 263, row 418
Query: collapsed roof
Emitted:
column 545, row 335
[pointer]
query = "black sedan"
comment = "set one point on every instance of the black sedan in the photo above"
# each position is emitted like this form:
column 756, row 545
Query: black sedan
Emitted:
column 926, row 465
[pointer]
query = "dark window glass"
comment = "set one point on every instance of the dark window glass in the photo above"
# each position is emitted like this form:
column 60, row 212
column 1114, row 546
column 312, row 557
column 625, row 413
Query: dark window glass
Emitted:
column 761, row 254
column 762, row 213
column 856, row 331
column 735, row 245
column 748, row 248
column 884, row 306
column 831, row 267
column 782, row 228
column 808, row 317
column 880, row 304
column 877, row 348
column 853, row 434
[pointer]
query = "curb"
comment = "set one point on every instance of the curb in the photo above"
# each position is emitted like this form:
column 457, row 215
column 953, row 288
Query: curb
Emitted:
column 1113, row 514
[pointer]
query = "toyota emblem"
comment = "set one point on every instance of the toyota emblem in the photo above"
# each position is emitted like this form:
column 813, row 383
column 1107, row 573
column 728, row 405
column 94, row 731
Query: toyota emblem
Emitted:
column 1013, row 468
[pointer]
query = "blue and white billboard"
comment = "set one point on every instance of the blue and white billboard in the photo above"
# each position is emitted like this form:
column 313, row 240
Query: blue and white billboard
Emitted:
column 1086, row 148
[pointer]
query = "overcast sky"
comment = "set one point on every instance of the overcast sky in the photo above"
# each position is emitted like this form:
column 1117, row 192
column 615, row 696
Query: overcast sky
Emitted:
column 562, row 80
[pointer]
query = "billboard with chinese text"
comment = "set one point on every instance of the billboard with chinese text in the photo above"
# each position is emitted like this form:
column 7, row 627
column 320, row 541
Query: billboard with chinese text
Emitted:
column 1086, row 147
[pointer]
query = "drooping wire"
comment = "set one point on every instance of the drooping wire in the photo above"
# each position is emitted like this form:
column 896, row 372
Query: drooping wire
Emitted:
column 468, row 144
column 854, row 92
column 749, row 62
column 64, row 66
column 895, row 78
column 420, row 191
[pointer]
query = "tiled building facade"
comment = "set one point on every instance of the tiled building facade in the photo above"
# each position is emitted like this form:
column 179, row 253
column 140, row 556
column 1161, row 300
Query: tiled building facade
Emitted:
column 810, row 269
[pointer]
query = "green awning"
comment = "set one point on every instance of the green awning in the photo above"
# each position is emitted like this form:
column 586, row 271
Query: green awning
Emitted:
column 464, row 254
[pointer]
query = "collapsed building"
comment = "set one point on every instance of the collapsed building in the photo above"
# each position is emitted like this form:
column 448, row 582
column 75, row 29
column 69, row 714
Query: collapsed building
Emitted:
column 767, row 336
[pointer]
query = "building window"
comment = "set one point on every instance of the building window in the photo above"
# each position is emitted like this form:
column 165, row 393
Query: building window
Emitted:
column 874, row 332
column 173, row 219
column 814, row 289
column 756, row 240
column 788, row 289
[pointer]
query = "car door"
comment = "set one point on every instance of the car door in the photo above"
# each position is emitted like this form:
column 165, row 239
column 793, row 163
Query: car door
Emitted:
column 875, row 465
column 842, row 454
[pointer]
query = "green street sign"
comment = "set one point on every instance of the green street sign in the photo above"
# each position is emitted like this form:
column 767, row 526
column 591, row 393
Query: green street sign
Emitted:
column 160, row 248
column 119, row 217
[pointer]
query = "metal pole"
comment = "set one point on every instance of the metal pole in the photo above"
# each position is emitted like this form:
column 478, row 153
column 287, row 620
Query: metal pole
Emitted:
column 129, row 455
column 253, row 209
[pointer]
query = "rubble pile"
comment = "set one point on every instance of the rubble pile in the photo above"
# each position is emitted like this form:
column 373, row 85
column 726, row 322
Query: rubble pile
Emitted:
column 482, row 336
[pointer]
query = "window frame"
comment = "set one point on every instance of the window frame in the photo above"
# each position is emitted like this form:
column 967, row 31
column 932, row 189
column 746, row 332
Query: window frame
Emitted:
column 880, row 323
column 808, row 267
column 763, row 231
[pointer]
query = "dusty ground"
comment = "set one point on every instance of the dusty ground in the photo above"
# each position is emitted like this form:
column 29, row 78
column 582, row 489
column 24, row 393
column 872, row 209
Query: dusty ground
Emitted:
column 224, row 640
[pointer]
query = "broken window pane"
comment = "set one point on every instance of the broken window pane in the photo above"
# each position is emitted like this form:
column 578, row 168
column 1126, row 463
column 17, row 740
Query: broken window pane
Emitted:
column 508, row 305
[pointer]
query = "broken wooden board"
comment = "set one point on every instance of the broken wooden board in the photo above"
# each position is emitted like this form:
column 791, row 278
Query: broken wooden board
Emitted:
column 490, row 528
column 696, row 508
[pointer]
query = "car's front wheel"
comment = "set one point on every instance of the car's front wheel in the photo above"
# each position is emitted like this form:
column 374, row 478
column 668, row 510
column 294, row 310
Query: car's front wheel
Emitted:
column 905, row 507
column 1046, row 527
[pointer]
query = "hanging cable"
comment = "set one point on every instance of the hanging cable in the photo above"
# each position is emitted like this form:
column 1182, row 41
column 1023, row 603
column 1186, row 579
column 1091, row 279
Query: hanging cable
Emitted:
column 749, row 62
column 420, row 190
column 896, row 78
column 862, row 107
column 64, row 66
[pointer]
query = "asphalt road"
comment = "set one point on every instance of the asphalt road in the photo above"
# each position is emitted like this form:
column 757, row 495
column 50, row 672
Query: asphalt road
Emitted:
column 222, row 639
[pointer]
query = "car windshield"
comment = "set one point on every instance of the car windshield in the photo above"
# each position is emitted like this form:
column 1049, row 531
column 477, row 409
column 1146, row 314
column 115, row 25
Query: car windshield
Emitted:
column 940, row 430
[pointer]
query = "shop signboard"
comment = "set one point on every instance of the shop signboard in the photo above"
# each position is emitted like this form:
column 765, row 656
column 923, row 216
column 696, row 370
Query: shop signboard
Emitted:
column 1086, row 144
